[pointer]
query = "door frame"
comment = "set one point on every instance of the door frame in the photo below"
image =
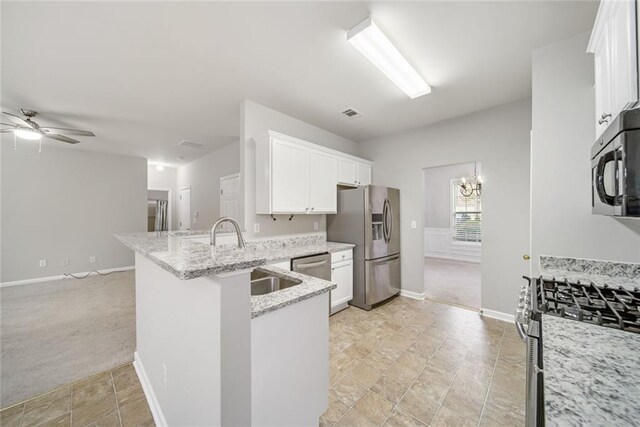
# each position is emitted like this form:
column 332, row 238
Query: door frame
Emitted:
column 180, row 207
column 222, row 178
column 169, row 208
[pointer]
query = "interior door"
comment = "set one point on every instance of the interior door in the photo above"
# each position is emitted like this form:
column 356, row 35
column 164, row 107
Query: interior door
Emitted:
column 290, row 177
column 323, row 197
column 229, row 189
column 185, row 209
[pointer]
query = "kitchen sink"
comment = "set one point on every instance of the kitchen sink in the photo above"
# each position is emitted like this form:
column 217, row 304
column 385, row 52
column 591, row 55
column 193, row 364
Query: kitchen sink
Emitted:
column 263, row 283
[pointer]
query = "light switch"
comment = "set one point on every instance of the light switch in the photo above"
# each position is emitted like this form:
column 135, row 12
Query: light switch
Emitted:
column 414, row 224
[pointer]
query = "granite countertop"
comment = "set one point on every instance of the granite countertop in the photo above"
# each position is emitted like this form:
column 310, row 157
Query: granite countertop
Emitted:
column 591, row 374
column 601, row 273
column 188, row 255
column 310, row 287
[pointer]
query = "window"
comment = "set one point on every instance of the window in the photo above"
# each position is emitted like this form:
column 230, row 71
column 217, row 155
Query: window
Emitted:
column 467, row 215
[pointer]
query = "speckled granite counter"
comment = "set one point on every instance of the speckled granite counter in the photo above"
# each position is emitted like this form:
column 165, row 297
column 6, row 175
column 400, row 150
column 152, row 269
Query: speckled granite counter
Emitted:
column 591, row 374
column 188, row 255
column 585, row 270
column 309, row 288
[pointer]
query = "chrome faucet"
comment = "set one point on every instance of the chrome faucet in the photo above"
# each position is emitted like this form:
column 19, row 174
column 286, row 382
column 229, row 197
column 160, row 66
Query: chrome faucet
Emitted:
column 234, row 223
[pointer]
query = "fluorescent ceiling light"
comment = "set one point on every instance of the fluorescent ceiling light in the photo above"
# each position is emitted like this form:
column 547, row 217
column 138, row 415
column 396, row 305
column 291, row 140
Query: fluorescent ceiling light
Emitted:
column 27, row 134
column 377, row 48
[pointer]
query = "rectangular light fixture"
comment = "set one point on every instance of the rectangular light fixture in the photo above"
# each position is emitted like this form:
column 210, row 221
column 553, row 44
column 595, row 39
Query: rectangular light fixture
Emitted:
column 377, row 48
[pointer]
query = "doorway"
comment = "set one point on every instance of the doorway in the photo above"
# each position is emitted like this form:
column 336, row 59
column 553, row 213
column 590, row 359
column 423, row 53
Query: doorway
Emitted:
column 453, row 234
column 185, row 209
column 229, row 194
column 158, row 210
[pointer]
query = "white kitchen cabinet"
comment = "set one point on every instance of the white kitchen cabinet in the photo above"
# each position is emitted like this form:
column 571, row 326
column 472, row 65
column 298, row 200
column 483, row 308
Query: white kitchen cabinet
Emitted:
column 342, row 276
column 290, row 177
column 297, row 177
column 364, row 173
column 322, row 182
column 285, row 264
column 614, row 45
column 353, row 173
column 347, row 172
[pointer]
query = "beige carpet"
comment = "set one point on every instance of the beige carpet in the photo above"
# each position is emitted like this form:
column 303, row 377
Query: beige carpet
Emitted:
column 55, row 333
column 453, row 282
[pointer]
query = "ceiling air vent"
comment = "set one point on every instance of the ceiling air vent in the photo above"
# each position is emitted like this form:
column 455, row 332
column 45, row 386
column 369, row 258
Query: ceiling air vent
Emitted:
column 185, row 143
column 351, row 113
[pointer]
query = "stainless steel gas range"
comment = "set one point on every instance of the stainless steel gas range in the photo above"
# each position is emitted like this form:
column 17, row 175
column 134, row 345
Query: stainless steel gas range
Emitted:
column 602, row 306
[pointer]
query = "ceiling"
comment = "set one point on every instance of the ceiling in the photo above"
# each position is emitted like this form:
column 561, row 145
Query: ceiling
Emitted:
column 144, row 76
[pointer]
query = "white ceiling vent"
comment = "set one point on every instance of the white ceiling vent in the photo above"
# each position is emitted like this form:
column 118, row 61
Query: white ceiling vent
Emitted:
column 351, row 113
column 185, row 143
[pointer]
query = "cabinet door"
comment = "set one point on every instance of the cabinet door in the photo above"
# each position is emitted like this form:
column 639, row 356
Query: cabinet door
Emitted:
column 342, row 275
column 347, row 172
column 323, row 195
column 622, row 33
column 289, row 177
column 602, row 63
column 364, row 174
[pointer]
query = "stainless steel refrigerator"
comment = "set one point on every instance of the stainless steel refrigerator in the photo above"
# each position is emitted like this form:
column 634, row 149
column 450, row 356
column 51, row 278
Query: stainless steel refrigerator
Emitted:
column 369, row 217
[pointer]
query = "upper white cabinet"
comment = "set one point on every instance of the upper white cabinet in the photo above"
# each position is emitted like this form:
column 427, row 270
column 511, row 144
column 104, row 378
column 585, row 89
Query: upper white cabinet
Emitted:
column 353, row 172
column 295, row 176
column 347, row 171
column 614, row 45
column 364, row 173
column 322, row 182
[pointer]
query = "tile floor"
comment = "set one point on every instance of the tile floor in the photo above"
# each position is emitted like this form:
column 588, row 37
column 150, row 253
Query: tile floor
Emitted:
column 417, row 363
column 113, row 398
column 407, row 363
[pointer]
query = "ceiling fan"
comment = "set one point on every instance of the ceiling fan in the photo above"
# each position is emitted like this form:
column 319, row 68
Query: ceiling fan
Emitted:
column 26, row 128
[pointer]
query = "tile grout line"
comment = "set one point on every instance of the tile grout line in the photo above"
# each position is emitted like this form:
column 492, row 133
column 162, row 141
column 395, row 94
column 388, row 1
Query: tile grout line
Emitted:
column 115, row 396
column 495, row 364
column 414, row 381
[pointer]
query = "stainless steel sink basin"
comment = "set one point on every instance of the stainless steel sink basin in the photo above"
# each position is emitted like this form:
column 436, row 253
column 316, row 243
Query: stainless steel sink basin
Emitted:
column 263, row 283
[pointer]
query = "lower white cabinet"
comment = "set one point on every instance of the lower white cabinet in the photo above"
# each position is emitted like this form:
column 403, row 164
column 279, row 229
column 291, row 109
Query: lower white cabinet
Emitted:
column 342, row 275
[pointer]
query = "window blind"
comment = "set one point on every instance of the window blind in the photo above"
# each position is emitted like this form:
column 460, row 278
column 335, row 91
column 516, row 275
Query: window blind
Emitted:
column 467, row 216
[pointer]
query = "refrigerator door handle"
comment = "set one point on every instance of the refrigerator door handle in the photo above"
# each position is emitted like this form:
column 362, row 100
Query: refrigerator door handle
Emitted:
column 390, row 226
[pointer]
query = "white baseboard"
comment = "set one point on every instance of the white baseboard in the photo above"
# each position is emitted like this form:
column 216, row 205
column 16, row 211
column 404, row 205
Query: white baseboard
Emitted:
column 154, row 406
column 498, row 315
column 61, row 276
column 414, row 295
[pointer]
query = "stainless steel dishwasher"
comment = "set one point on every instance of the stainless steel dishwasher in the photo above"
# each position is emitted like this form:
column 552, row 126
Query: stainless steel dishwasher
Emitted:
column 315, row 265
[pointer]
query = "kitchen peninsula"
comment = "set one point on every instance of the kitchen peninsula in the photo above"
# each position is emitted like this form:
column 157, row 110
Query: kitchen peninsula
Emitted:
column 210, row 353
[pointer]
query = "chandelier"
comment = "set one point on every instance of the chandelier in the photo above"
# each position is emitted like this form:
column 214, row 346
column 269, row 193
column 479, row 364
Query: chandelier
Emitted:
column 472, row 185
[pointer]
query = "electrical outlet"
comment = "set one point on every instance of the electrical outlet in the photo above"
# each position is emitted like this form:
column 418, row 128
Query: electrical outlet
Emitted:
column 195, row 219
column 316, row 225
column 256, row 227
column 164, row 376
column 414, row 224
column 92, row 259
column 43, row 263
column 65, row 262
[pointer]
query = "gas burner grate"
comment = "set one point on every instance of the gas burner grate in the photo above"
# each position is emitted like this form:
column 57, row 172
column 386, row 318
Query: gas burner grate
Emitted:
column 601, row 305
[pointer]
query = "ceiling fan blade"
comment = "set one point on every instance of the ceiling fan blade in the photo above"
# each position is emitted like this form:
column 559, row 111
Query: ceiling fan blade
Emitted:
column 56, row 131
column 17, row 120
column 60, row 138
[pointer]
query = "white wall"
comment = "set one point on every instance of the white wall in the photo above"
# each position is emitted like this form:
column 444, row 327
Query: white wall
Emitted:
column 203, row 177
column 67, row 203
column 255, row 121
column 497, row 137
column 563, row 107
column 437, row 192
column 165, row 180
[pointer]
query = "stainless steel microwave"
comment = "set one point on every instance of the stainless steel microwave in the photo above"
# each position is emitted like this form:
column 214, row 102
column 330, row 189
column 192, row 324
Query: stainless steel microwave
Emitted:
column 615, row 168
